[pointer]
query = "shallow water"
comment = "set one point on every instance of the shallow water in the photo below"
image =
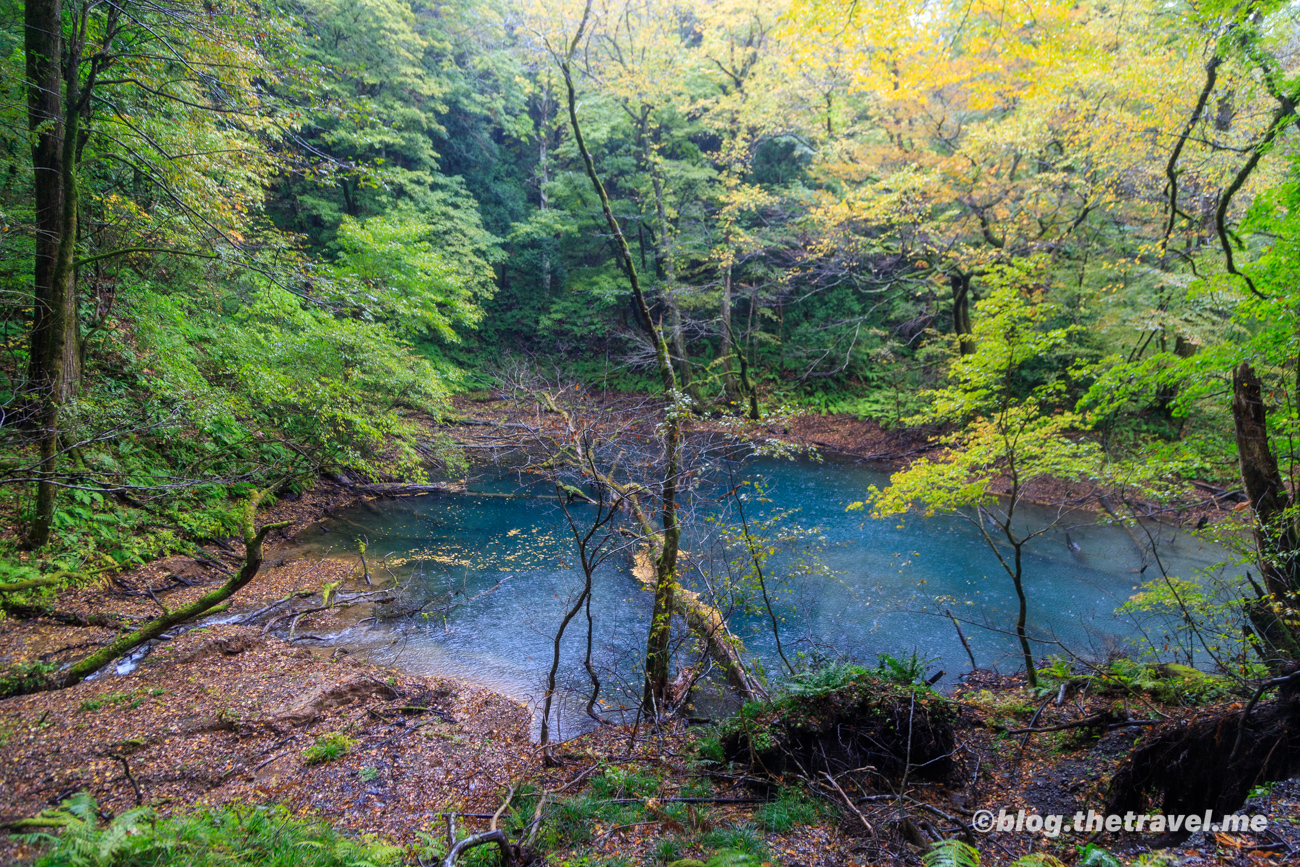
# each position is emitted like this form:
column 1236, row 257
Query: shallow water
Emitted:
column 884, row 590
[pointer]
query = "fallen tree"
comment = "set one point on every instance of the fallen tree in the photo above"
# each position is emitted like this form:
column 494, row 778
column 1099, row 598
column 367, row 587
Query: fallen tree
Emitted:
column 707, row 622
column 253, row 540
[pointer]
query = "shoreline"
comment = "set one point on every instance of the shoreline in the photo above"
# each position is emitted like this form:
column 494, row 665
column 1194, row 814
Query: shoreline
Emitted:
column 222, row 713
column 861, row 440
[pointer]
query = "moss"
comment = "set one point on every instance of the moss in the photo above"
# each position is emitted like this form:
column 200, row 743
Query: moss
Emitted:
column 327, row 748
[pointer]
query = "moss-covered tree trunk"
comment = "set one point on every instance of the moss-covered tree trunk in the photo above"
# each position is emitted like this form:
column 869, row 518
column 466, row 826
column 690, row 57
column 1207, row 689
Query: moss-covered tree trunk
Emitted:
column 961, row 326
column 1274, row 527
column 54, row 357
column 657, row 643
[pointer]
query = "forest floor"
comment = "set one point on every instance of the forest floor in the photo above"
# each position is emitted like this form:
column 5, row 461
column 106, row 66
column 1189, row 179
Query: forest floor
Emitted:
column 234, row 712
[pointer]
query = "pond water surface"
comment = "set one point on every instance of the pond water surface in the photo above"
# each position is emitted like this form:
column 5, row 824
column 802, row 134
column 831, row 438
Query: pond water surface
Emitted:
column 883, row 588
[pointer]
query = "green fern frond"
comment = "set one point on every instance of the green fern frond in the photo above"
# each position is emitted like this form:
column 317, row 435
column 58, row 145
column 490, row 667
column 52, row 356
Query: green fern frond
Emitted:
column 1095, row 856
column 1037, row 859
column 951, row 853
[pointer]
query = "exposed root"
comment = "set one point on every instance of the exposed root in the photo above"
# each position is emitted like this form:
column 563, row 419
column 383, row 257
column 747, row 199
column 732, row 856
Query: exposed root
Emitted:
column 867, row 726
column 1191, row 767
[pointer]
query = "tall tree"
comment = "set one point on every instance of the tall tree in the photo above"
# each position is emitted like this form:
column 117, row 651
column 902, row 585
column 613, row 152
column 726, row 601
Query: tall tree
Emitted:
column 657, row 657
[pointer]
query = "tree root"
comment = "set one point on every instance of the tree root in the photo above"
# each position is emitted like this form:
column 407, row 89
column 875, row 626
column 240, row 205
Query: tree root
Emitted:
column 1211, row 762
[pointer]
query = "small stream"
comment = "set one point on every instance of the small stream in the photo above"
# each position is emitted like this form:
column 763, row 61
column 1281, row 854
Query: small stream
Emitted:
column 882, row 587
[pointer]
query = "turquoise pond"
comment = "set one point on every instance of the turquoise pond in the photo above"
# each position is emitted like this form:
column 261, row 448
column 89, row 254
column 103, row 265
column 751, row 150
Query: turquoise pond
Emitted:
column 883, row 589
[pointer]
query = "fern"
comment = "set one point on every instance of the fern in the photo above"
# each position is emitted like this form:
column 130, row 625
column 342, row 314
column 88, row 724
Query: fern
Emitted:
column 951, row 853
column 824, row 680
column 1037, row 859
column 83, row 843
column 223, row 837
column 1093, row 855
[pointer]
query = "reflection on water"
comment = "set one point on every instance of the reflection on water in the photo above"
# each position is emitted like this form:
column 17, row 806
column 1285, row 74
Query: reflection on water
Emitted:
column 887, row 584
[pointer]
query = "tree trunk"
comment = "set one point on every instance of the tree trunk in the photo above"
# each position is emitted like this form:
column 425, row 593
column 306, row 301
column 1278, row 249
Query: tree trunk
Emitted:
column 708, row 624
column 961, row 311
column 657, row 647
column 551, row 675
column 1022, row 618
column 54, row 363
column 727, row 348
column 1275, row 533
column 666, row 266
column 750, row 390
column 1167, row 393
column 544, row 178
column 43, row 25
column 679, row 340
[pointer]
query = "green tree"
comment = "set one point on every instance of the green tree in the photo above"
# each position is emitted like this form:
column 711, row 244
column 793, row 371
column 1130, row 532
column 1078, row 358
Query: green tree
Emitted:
column 1012, row 433
column 422, row 278
column 103, row 101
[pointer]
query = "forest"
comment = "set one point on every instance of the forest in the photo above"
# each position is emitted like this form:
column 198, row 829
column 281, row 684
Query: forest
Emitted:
column 494, row 432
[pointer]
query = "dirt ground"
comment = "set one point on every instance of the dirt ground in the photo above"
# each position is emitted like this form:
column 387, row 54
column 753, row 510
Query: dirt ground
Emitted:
column 224, row 713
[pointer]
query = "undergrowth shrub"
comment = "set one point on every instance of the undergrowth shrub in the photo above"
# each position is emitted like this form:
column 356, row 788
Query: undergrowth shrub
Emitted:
column 25, row 677
column 327, row 748
column 791, row 807
column 618, row 783
column 908, row 670
column 1169, row 683
column 955, row 853
column 223, row 837
column 740, row 840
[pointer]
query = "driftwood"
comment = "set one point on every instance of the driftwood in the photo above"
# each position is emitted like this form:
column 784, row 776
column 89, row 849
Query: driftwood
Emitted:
column 707, row 622
column 512, row 854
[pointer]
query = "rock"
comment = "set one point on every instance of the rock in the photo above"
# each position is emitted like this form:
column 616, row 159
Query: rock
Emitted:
column 688, row 862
